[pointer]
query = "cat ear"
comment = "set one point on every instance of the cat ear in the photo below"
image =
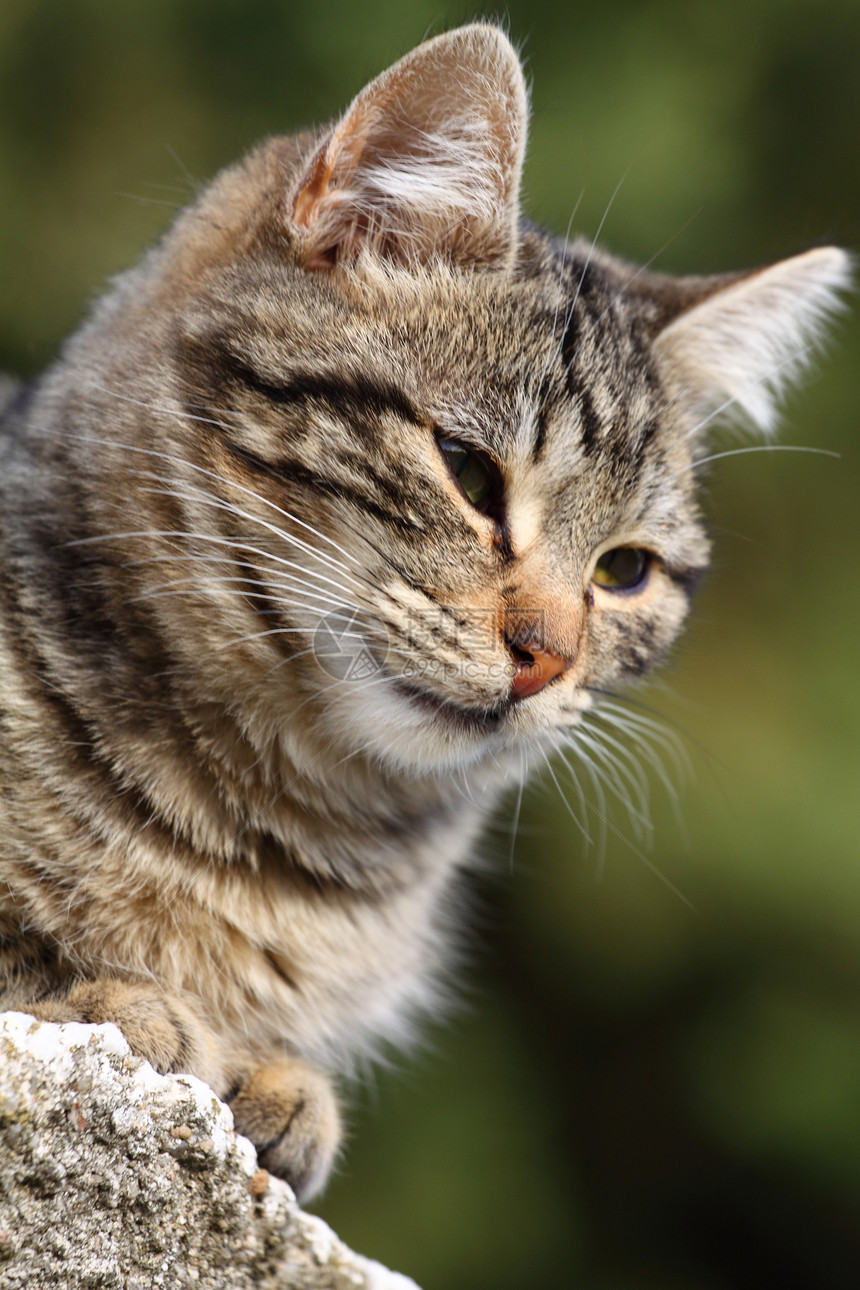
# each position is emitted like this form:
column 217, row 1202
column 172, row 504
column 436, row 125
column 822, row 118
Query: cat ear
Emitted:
column 426, row 160
column 748, row 339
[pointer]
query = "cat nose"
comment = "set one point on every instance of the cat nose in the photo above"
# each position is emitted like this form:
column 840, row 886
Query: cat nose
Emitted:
column 536, row 666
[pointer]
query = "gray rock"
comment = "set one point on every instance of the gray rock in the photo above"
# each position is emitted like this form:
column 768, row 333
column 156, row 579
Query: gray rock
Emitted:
column 113, row 1177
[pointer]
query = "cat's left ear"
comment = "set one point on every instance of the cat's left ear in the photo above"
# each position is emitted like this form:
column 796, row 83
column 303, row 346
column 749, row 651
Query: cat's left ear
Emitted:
column 739, row 342
column 426, row 161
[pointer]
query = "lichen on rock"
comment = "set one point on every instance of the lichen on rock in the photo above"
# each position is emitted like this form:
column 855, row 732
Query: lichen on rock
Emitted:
column 113, row 1177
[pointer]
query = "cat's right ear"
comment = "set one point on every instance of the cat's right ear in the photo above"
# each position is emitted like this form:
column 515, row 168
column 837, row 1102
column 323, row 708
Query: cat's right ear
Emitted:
column 425, row 162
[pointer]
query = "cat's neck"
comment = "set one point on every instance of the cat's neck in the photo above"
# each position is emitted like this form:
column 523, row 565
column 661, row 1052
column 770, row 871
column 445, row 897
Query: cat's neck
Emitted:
column 297, row 793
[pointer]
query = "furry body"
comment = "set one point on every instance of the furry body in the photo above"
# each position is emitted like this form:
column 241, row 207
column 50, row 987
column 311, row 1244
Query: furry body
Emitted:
column 203, row 836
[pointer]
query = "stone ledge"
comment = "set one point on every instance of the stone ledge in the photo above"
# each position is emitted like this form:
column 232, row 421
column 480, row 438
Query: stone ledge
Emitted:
column 113, row 1177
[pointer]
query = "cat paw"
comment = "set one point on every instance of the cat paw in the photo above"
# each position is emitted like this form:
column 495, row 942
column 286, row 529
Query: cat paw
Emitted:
column 290, row 1113
column 157, row 1025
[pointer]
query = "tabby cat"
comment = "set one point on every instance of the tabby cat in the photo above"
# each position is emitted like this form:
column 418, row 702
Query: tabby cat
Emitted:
column 351, row 410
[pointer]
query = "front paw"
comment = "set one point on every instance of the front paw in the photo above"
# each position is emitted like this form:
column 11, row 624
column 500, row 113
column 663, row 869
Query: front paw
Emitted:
column 290, row 1113
column 158, row 1025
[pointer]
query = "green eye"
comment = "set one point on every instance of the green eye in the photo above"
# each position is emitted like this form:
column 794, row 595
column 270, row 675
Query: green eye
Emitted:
column 477, row 477
column 622, row 568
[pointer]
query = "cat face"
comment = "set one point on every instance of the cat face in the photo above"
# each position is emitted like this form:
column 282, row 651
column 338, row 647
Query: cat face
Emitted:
column 455, row 457
column 478, row 598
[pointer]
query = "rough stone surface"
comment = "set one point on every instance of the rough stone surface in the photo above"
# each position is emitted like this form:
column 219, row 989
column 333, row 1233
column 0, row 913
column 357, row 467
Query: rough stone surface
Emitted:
column 113, row 1177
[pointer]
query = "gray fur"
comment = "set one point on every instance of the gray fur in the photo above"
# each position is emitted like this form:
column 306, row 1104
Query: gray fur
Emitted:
column 248, row 863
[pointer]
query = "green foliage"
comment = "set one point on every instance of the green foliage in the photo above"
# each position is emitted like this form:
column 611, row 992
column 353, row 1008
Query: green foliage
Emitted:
column 645, row 1096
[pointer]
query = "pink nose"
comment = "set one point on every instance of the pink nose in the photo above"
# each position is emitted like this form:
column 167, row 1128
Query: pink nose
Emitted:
column 536, row 667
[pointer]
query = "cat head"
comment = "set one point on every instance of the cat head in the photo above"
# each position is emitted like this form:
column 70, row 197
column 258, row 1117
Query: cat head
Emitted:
column 452, row 458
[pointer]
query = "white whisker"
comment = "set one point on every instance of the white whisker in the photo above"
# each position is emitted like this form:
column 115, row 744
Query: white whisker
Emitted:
column 515, row 823
column 591, row 250
column 552, row 351
column 211, row 474
column 649, row 738
column 629, row 769
column 762, row 447
column 307, row 589
column 220, row 503
column 616, row 780
column 594, row 775
column 232, row 544
column 567, row 806
column 276, row 631
column 273, row 578
column 797, row 357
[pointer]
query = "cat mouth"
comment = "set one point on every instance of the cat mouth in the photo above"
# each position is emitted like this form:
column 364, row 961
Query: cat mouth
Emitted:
column 471, row 719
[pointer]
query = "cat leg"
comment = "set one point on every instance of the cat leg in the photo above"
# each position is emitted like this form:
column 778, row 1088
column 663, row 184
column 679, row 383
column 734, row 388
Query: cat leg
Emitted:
column 290, row 1113
column 158, row 1025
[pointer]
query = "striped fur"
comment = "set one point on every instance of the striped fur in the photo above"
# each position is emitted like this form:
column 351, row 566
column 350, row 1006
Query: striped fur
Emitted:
column 249, row 862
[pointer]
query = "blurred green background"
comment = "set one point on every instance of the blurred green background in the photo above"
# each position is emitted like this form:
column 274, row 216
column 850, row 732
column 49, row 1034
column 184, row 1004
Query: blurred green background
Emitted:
column 635, row 1094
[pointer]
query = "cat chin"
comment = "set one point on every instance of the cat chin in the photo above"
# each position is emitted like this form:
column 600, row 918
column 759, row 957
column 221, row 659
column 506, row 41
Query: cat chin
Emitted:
column 414, row 732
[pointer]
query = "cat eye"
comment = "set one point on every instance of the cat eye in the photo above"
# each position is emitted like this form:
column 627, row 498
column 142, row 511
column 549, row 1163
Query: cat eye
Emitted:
column 477, row 476
column 622, row 568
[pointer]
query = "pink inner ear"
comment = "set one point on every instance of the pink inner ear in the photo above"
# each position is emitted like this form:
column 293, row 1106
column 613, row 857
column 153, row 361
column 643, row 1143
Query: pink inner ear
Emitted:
column 328, row 180
column 341, row 152
column 315, row 190
column 426, row 161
